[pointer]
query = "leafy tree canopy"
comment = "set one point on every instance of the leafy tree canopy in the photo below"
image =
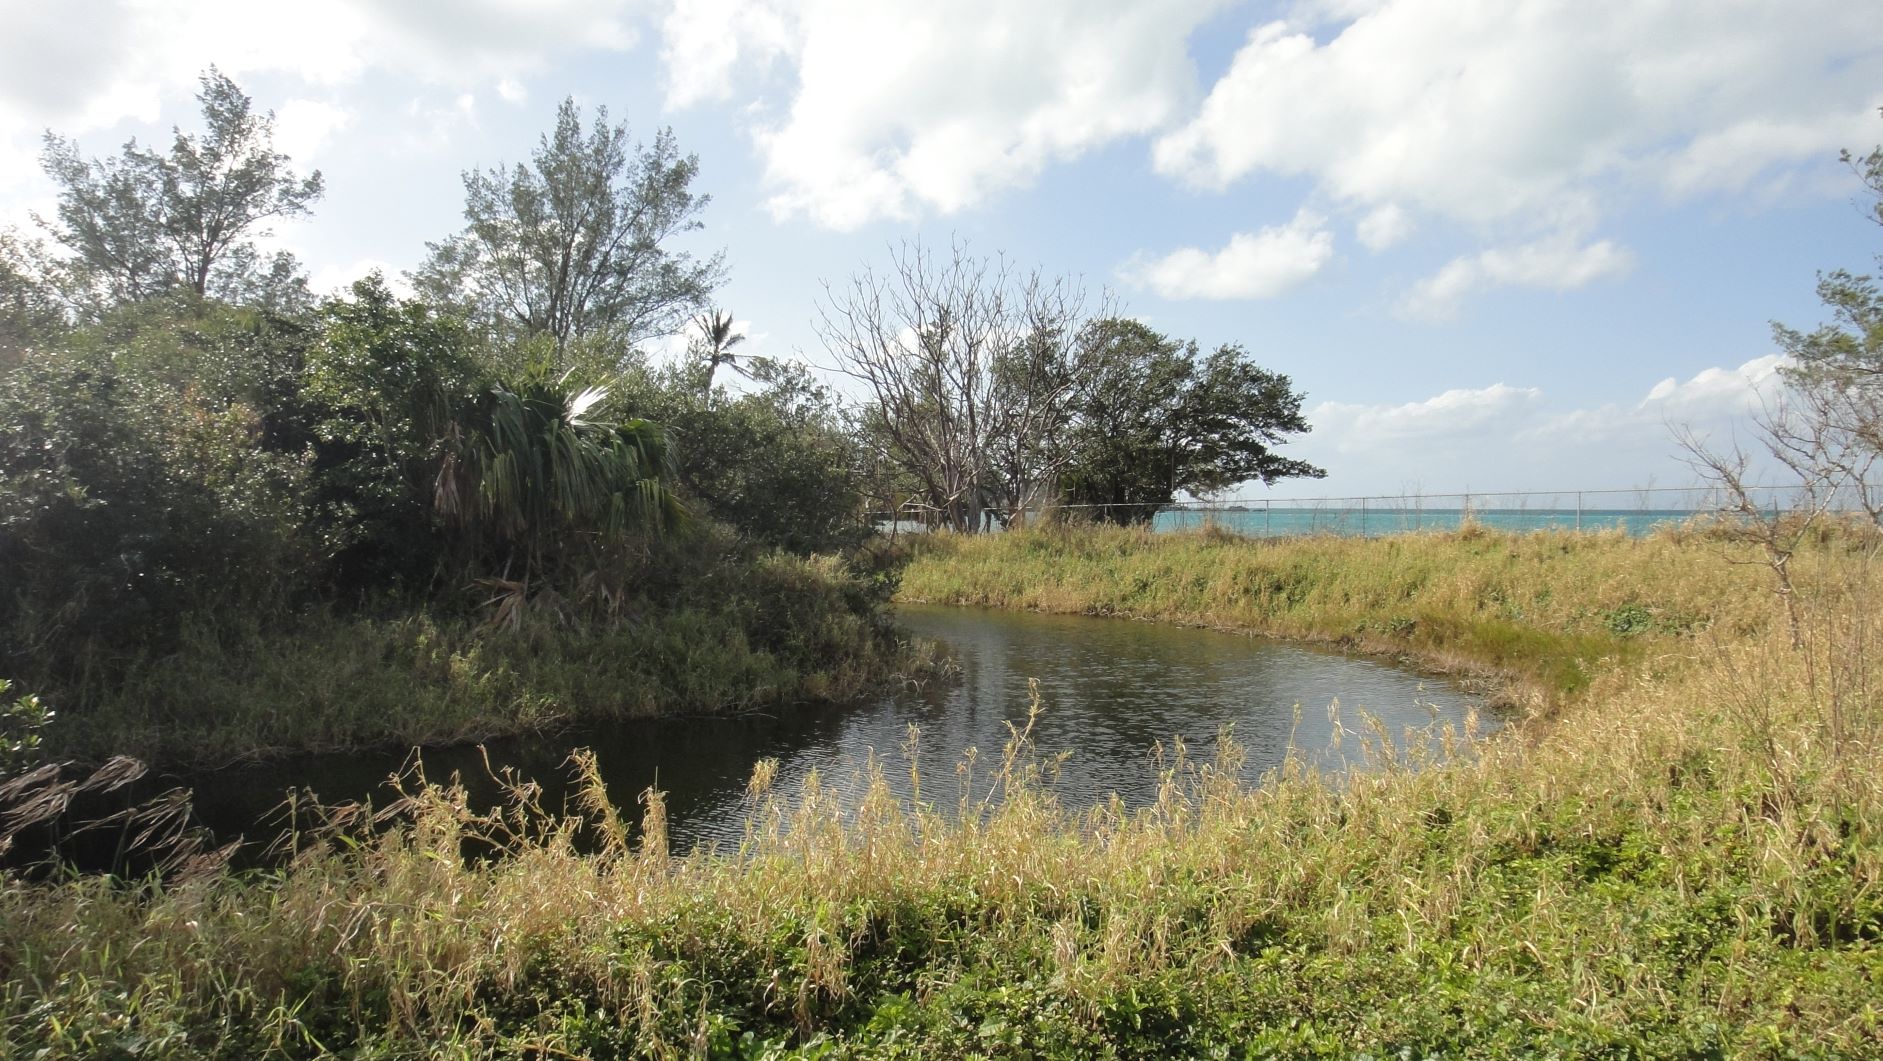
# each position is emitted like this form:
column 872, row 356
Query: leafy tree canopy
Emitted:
column 777, row 463
column 578, row 242
column 1849, row 350
column 30, row 313
column 1156, row 418
column 149, row 223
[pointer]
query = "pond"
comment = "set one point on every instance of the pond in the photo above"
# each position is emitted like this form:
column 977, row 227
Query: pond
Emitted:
column 1111, row 690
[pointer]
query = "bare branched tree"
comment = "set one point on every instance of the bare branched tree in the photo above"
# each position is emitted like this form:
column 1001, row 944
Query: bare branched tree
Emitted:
column 1775, row 532
column 1036, row 382
column 1823, row 438
column 970, row 366
column 1826, row 431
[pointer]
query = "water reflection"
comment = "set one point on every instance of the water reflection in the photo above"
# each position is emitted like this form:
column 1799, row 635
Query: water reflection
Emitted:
column 1111, row 689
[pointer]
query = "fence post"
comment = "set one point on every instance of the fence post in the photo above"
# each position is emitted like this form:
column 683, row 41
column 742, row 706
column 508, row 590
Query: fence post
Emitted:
column 1363, row 530
column 1266, row 502
column 1578, row 510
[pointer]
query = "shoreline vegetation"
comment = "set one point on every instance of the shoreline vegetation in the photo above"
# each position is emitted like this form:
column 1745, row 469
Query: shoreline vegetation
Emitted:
column 746, row 633
column 1676, row 854
column 1531, row 618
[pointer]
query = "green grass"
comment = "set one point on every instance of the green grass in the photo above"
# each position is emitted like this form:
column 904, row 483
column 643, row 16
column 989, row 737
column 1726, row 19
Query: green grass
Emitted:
column 790, row 631
column 1685, row 859
column 1542, row 613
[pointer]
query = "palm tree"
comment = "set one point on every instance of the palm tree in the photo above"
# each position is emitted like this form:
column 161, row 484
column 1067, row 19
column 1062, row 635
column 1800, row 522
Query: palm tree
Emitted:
column 534, row 473
column 716, row 343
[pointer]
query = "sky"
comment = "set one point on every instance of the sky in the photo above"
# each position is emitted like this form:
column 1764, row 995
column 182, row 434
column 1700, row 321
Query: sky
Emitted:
column 1500, row 245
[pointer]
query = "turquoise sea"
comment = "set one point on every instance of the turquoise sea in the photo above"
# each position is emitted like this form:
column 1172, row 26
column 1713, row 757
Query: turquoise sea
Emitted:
column 1372, row 520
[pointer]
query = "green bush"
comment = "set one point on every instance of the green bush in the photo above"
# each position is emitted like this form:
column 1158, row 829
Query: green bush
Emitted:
column 128, row 500
column 22, row 722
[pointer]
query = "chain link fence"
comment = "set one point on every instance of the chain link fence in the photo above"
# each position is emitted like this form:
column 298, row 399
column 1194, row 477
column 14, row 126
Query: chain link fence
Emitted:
column 1637, row 511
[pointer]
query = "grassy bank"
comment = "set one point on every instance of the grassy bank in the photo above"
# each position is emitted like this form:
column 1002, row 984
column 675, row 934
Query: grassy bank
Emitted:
column 1687, row 863
column 1541, row 614
column 766, row 632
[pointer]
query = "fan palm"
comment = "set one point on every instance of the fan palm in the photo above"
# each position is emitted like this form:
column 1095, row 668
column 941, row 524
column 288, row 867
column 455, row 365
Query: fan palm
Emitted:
column 534, row 471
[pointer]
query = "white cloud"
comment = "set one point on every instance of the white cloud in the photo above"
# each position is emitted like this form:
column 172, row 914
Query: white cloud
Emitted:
column 1510, row 438
column 1719, row 390
column 1455, row 414
column 1260, row 264
column 1383, row 226
column 1556, row 263
column 1714, row 399
column 1733, row 157
column 302, row 126
column 706, row 43
column 83, row 65
column 903, row 107
column 1532, row 114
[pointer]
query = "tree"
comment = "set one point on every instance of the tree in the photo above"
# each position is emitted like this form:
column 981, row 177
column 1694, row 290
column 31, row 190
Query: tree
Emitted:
column 30, row 314
column 968, row 367
column 1233, row 414
column 1829, row 427
column 147, row 223
column 384, row 381
column 714, row 347
column 1155, row 419
column 1834, row 418
column 777, row 463
column 577, row 243
column 1127, row 401
column 144, row 480
column 1825, row 432
column 1033, row 402
column 540, row 477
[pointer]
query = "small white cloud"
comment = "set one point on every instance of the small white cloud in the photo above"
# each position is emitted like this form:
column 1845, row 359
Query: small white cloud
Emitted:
column 1556, row 263
column 1730, row 390
column 663, row 349
column 707, row 43
column 904, row 107
column 510, row 90
column 1453, row 414
column 302, row 127
column 1712, row 399
column 1253, row 265
column 1383, row 227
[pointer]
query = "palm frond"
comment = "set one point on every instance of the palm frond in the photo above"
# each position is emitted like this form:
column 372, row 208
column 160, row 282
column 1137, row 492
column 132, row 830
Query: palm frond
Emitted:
column 532, row 464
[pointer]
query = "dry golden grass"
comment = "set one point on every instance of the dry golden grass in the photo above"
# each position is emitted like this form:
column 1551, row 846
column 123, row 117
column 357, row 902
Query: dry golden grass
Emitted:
column 1685, row 862
column 1546, row 612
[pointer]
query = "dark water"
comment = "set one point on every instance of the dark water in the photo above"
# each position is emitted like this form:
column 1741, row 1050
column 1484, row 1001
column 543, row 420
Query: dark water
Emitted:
column 1111, row 690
